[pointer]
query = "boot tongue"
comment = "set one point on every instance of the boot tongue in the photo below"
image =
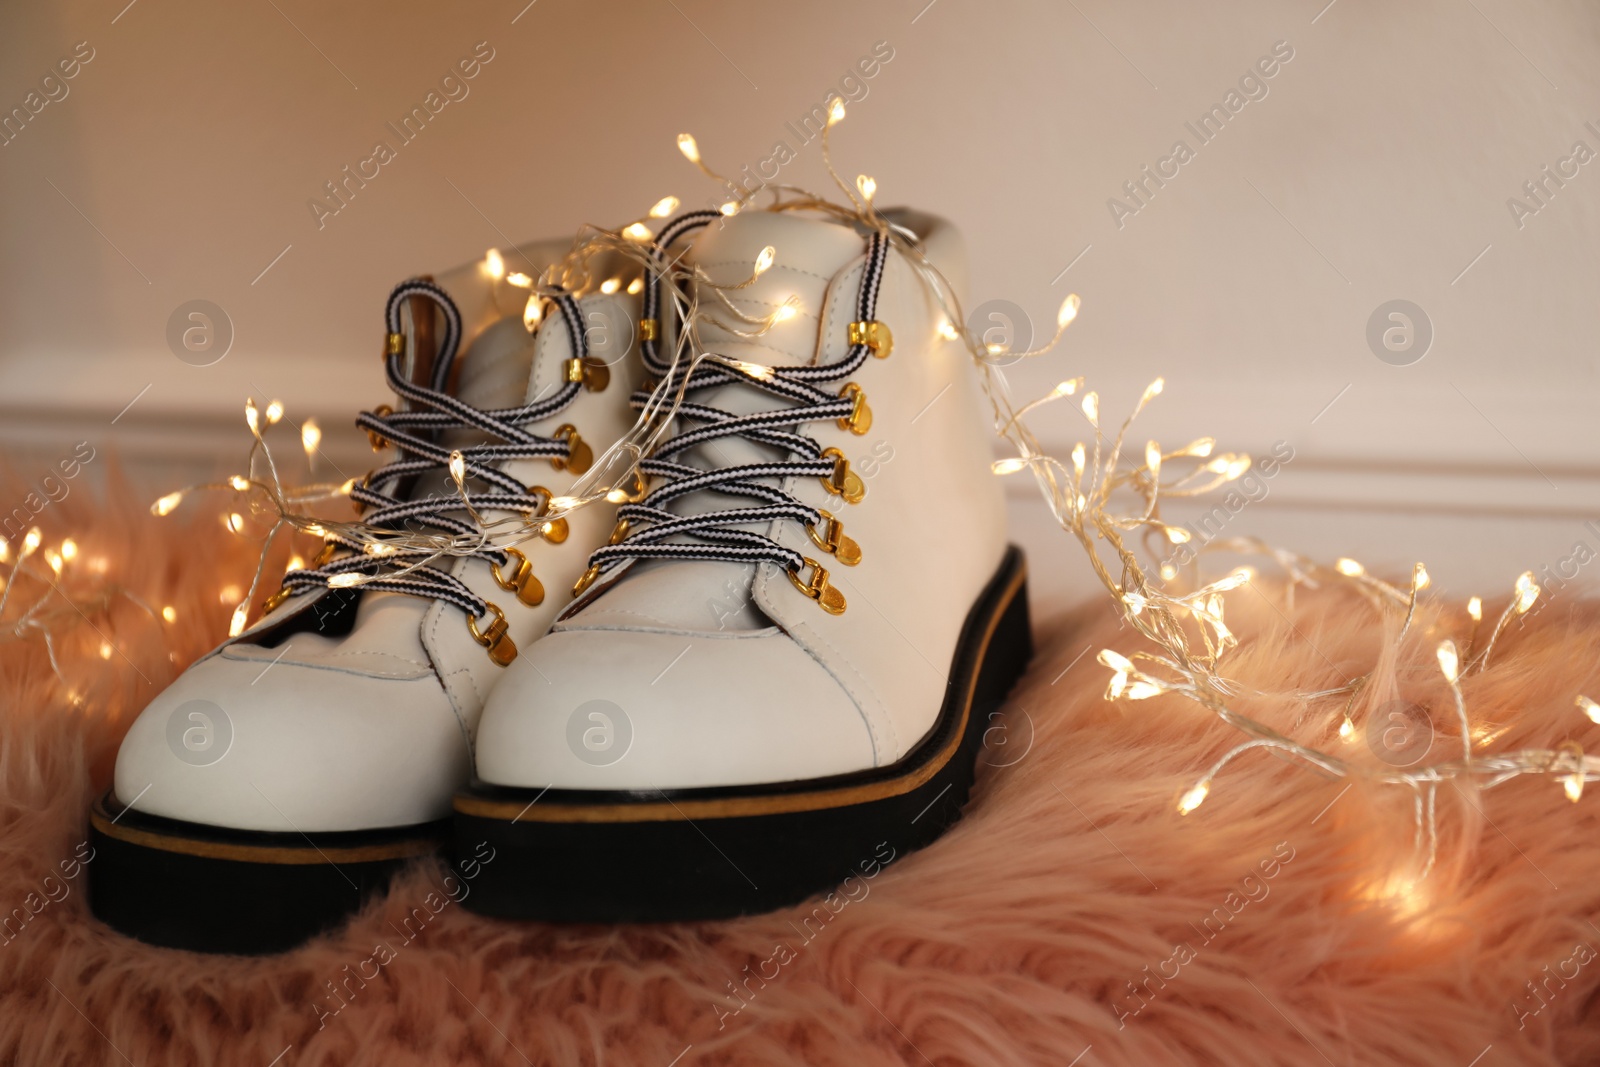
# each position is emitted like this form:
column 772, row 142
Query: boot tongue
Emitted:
column 698, row 595
column 808, row 254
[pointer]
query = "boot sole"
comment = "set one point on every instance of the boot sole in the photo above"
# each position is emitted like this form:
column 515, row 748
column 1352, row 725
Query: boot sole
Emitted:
column 711, row 853
column 213, row 889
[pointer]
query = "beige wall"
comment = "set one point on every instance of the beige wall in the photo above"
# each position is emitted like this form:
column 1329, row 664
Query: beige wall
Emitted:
column 1376, row 166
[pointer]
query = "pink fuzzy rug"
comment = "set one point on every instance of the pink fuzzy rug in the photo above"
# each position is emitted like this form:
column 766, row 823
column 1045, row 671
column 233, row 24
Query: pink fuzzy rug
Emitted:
column 1072, row 918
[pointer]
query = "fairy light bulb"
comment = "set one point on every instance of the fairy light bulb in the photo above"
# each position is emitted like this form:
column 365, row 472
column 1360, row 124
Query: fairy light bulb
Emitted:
column 836, row 111
column 1475, row 609
column 310, row 436
column 347, row 580
column 687, row 146
column 1118, row 683
column 565, row 503
column 1078, row 457
column 730, row 209
column 458, row 467
column 1201, row 447
column 296, row 563
column 1348, row 567
column 1168, row 571
column 379, row 549
column 664, row 207
column 636, row 287
column 236, row 624
column 610, row 285
column 53, row 558
column 532, row 312
column 1194, row 797
column 274, row 412
column 1178, row 535
column 867, row 186
column 755, row 370
column 1589, row 708
column 5, row 550
column 1008, row 466
column 1527, row 592
column 1091, row 407
column 519, row 279
column 169, row 613
column 1152, row 391
column 947, row 330
column 1573, row 785
column 233, row 523
column 764, row 260
column 1141, row 690
column 69, row 550
column 30, row 542
column 105, row 649
column 239, row 482
column 347, row 487
column 1347, row 729
column 494, row 264
column 784, row 313
column 1152, row 459
column 1066, row 388
column 315, row 529
column 1449, row 661
column 1420, row 578
column 252, row 417
column 1115, row 660
column 1068, row 311
column 637, row 232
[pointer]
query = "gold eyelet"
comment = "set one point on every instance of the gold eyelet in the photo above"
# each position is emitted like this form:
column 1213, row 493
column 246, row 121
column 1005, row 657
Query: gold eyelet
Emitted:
column 619, row 533
column 827, row 597
column 591, row 373
column 556, row 530
column 843, row 481
column 529, row 589
column 875, row 335
column 502, row 650
column 859, row 421
column 383, row 411
column 579, row 454
column 649, row 329
column 324, row 554
column 585, row 580
column 275, row 601
column 833, row 540
column 394, row 344
column 638, row 491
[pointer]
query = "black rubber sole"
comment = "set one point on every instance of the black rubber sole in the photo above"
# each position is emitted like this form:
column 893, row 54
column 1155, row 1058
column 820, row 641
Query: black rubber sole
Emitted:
column 210, row 889
column 591, row 856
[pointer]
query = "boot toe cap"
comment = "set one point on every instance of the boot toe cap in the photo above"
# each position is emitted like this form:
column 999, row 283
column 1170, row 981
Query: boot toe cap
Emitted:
column 643, row 710
column 293, row 748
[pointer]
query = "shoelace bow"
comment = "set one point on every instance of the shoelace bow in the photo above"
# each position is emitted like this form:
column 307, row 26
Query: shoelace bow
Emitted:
column 713, row 538
column 415, row 433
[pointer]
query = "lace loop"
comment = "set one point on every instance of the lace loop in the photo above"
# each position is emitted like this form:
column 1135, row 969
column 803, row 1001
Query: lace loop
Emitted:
column 415, row 434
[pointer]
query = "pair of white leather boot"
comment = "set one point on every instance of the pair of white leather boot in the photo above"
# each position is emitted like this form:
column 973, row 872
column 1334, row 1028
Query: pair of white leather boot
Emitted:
column 772, row 664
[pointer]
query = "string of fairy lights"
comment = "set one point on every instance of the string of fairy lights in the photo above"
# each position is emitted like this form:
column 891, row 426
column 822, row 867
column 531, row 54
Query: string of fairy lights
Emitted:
column 1107, row 495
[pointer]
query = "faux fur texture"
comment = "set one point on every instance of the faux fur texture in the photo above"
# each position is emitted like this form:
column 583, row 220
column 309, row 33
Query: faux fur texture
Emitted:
column 1072, row 917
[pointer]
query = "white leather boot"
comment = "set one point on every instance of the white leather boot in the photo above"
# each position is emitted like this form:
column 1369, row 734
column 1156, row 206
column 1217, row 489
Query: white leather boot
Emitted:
column 779, row 671
column 281, row 777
